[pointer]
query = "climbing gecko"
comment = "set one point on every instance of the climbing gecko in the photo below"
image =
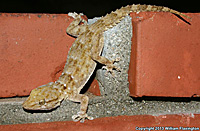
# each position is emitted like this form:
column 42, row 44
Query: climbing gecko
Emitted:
column 82, row 60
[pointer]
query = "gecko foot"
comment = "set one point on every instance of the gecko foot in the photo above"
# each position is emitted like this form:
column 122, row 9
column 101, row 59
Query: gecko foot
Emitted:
column 81, row 117
column 109, row 67
column 76, row 15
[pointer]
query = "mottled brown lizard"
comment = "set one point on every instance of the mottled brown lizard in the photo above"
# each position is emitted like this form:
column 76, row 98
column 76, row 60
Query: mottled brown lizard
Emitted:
column 82, row 60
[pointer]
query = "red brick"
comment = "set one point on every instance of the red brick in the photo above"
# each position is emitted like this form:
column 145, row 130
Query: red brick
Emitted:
column 120, row 123
column 94, row 88
column 33, row 48
column 165, row 55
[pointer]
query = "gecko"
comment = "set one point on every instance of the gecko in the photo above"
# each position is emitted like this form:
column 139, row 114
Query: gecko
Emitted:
column 82, row 59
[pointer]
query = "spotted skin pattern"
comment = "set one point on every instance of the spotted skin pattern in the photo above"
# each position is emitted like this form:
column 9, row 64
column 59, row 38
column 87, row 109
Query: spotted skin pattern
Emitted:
column 82, row 60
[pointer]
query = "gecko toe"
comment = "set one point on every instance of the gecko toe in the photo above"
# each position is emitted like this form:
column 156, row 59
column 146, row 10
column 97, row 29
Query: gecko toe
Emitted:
column 81, row 117
column 109, row 67
column 72, row 14
column 75, row 118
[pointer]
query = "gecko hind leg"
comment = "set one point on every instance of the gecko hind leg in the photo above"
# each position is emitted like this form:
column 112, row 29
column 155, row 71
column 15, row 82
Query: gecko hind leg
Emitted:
column 109, row 67
column 109, row 64
column 81, row 115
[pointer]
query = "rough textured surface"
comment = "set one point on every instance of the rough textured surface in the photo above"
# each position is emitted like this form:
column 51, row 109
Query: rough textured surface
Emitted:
column 117, row 44
column 12, row 112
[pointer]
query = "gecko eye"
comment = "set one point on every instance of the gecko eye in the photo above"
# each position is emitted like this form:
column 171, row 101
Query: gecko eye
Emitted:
column 42, row 102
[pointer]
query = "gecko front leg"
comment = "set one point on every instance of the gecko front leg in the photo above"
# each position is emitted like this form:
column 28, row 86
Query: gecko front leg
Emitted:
column 76, row 28
column 82, row 115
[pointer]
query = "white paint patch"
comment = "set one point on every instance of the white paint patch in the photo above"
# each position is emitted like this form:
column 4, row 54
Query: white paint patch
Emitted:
column 179, row 77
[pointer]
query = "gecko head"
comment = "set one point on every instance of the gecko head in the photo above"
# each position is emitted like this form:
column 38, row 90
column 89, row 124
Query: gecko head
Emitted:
column 43, row 98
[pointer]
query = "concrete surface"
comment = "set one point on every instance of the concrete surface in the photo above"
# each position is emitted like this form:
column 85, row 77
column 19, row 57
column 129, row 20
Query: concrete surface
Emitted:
column 117, row 44
column 11, row 112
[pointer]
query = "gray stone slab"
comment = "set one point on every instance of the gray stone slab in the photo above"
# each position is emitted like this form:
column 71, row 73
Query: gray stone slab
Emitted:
column 11, row 112
column 117, row 44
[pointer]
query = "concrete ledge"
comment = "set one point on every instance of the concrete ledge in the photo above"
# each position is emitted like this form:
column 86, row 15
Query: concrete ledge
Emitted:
column 11, row 111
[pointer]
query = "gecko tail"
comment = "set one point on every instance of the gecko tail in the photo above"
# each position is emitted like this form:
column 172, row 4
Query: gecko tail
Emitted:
column 115, row 17
column 154, row 8
column 178, row 13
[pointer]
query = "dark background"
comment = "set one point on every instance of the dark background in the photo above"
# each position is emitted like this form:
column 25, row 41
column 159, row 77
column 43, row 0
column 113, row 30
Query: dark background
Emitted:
column 91, row 8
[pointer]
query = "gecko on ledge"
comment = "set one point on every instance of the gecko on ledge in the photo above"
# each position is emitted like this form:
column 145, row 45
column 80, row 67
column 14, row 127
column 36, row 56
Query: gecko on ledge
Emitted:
column 82, row 60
